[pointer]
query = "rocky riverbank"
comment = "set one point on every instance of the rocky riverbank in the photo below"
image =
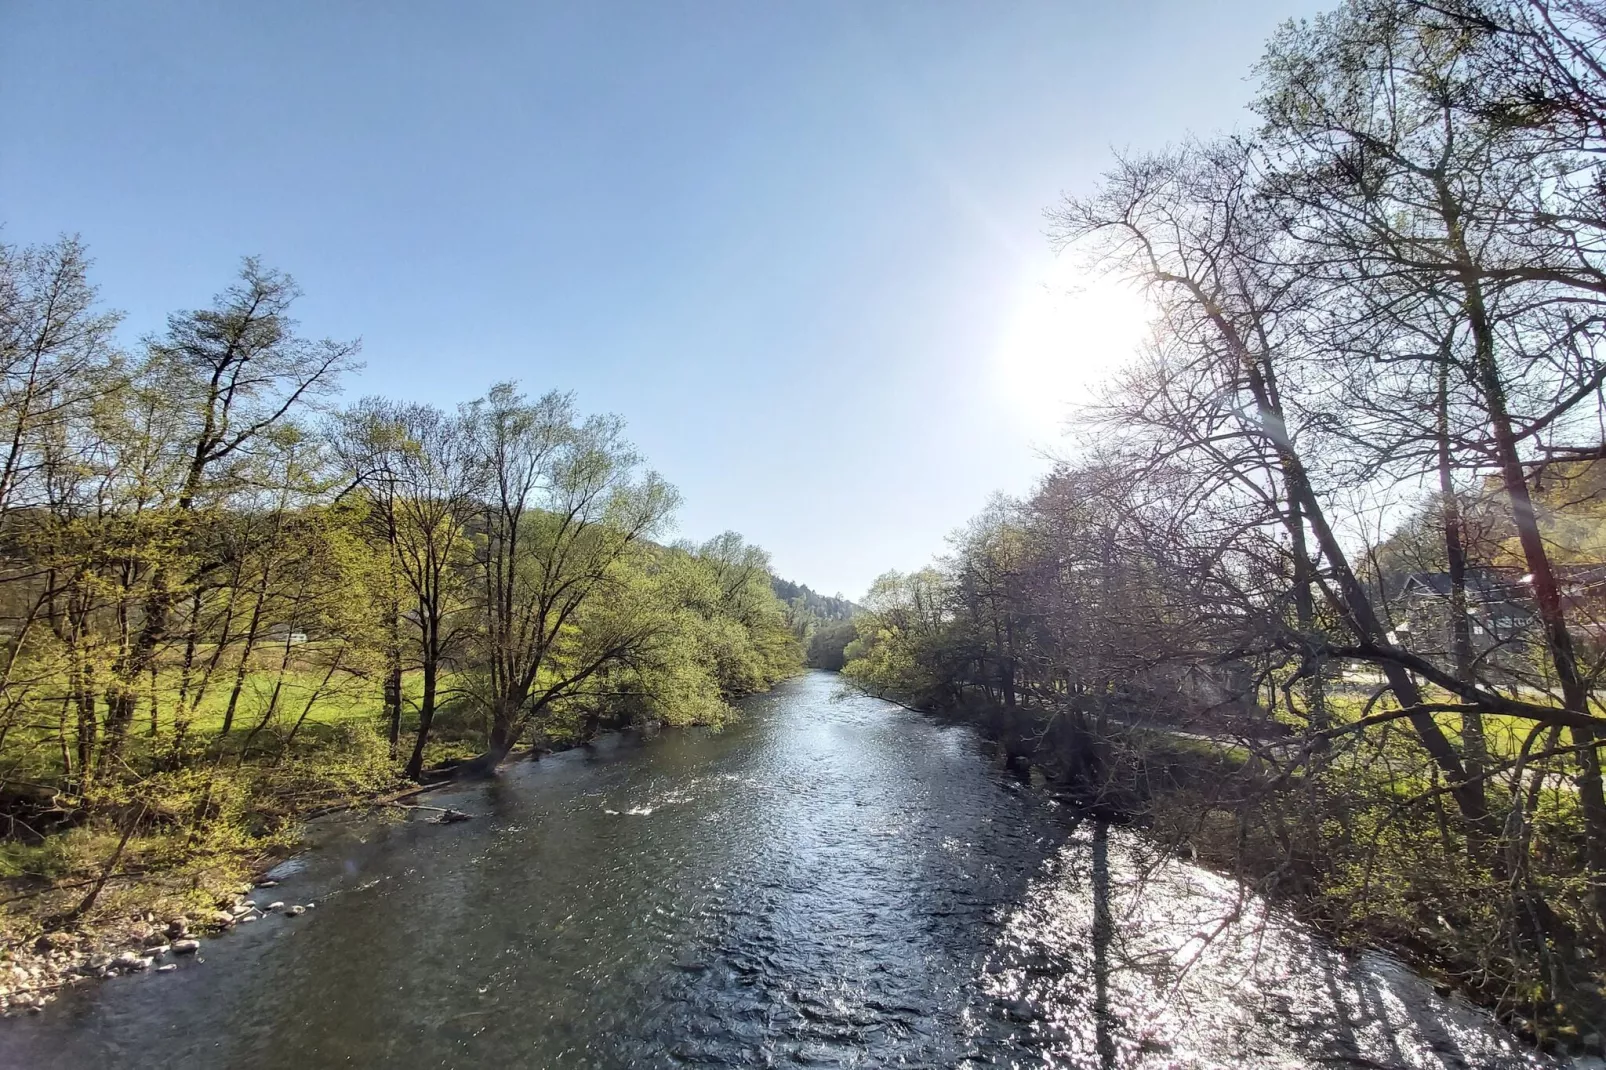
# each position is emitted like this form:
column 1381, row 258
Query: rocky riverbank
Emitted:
column 33, row 975
column 154, row 917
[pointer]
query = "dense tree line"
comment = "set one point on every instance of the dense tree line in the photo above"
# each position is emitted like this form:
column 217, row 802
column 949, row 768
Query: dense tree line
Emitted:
column 823, row 624
column 805, row 601
column 1375, row 358
column 221, row 594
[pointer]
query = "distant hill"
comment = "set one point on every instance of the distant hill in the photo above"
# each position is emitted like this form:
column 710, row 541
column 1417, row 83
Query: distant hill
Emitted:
column 810, row 602
column 824, row 624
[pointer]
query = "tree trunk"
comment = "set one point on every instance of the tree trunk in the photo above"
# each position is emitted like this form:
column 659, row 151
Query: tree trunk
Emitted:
column 84, row 688
column 1305, row 619
column 1547, row 592
column 1474, row 748
column 1352, row 600
column 241, row 671
column 426, row 717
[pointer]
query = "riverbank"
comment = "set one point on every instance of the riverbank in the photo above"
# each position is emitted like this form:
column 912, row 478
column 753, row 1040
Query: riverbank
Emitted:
column 157, row 883
column 34, row 974
column 830, row 880
column 1232, row 804
column 140, row 918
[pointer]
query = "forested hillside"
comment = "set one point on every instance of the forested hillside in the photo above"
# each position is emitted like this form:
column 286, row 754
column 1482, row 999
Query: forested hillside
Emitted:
column 824, row 625
column 805, row 601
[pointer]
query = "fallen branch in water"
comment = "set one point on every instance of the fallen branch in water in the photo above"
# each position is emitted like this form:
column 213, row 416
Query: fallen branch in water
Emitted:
column 355, row 804
column 448, row 815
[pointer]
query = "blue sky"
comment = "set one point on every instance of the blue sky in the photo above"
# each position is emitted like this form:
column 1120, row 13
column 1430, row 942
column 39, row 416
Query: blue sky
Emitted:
column 798, row 246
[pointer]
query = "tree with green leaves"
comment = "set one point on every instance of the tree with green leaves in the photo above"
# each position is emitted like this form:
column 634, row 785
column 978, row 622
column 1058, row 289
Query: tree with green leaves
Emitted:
column 566, row 510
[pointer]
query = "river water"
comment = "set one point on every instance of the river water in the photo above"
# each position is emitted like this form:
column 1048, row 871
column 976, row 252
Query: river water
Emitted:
column 833, row 881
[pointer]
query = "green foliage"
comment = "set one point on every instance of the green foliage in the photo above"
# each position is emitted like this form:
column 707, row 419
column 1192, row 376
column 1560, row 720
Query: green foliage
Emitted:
column 904, row 634
column 828, row 643
column 804, row 602
column 717, row 632
column 221, row 615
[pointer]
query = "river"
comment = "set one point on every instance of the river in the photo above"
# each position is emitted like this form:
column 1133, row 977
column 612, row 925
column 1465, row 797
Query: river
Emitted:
column 832, row 881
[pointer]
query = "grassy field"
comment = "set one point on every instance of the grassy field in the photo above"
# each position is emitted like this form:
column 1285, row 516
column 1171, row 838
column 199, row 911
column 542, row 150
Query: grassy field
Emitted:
column 1504, row 735
column 207, row 811
column 276, row 716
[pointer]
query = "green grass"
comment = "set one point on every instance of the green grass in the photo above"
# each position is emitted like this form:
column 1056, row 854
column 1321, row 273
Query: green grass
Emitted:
column 346, row 702
column 1504, row 734
column 341, row 700
column 209, row 810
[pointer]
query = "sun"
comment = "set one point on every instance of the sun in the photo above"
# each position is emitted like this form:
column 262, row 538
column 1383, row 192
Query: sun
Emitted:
column 1067, row 330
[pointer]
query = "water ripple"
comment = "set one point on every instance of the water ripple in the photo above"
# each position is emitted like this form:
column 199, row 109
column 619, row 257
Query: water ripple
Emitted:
column 831, row 883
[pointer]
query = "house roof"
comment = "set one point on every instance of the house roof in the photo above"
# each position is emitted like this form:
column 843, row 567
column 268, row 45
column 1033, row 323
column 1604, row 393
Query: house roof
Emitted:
column 1507, row 584
column 1482, row 585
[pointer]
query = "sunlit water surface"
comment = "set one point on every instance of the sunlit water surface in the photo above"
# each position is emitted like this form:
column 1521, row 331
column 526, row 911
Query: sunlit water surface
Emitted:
column 831, row 882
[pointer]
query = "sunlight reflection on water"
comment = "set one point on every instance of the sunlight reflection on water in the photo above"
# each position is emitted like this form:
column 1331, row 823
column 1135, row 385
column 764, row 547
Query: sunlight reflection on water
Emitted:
column 1173, row 967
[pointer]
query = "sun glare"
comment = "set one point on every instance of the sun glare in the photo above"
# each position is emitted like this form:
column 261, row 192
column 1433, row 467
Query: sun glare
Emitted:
column 1067, row 329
